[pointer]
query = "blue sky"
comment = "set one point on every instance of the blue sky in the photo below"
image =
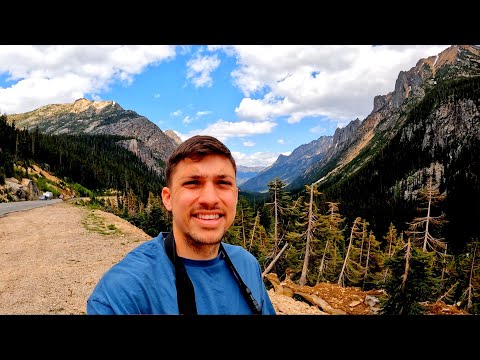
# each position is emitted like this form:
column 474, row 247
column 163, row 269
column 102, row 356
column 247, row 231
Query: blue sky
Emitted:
column 260, row 100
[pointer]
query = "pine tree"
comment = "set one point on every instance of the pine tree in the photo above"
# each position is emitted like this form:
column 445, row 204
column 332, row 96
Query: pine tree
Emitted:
column 373, row 261
column 421, row 228
column 282, row 210
column 469, row 278
column 410, row 282
column 352, row 270
column 332, row 252
column 393, row 243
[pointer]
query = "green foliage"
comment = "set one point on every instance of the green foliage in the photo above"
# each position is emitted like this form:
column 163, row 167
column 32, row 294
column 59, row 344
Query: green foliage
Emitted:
column 374, row 191
column 44, row 185
column 81, row 190
column 409, row 283
column 96, row 162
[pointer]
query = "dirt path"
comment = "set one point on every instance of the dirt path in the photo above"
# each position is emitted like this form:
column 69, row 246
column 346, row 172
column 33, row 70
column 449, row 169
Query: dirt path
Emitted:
column 51, row 257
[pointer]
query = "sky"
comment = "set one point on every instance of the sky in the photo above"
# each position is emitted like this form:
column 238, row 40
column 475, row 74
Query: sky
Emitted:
column 261, row 101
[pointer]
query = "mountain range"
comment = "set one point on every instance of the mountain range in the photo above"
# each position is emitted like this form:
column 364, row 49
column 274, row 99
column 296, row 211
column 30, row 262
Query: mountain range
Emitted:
column 429, row 122
column 141, row 136
column 325, row 157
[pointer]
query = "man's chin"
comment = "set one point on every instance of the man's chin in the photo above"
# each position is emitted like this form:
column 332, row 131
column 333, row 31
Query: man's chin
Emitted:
column 207, row 237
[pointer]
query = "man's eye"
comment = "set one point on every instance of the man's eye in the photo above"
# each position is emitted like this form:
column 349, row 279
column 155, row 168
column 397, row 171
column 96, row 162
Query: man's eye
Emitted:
column 224, row 182
column 191, row 182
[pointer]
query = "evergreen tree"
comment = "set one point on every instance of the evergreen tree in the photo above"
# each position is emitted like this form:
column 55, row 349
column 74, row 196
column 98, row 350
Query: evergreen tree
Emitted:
column 410, row 281
column 332, row 253
column 281, row 210
column 421, row 228
column 352, row 270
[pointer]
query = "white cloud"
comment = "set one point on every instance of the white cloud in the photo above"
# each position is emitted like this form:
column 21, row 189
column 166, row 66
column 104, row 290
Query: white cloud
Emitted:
column 187, row 120
column 176, row 113
column 224, row 130
column 333, row 81
column 257, row 159
column 248, row 143
column 203, row 113
column 46, row 74
column 199, row 70
column 319, row 129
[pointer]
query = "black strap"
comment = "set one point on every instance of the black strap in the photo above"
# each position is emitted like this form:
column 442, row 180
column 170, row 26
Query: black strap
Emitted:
column 247, row 293
column 185, row 290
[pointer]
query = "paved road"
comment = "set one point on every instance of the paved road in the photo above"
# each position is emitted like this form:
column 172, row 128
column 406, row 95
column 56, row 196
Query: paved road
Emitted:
column 6, row 208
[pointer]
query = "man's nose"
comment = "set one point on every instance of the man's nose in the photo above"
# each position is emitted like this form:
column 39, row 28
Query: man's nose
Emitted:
column 208, row 194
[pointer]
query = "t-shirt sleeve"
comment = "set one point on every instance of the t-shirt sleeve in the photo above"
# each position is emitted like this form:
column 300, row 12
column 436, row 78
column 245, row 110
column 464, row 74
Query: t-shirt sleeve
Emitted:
column 97, row 308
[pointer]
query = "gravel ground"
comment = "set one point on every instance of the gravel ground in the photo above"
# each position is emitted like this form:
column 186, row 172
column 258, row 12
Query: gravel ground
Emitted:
column 52, row 257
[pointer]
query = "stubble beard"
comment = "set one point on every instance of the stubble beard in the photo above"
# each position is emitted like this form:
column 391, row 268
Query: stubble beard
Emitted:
column 199, row 243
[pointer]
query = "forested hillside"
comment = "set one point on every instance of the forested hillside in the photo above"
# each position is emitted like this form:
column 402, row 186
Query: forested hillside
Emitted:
column 93, row 165
column 384, row 189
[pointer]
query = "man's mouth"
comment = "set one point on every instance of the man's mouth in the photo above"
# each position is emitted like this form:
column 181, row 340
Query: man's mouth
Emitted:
column 208, row 216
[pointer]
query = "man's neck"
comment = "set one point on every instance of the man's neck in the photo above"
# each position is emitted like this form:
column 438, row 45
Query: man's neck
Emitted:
column 190, row 249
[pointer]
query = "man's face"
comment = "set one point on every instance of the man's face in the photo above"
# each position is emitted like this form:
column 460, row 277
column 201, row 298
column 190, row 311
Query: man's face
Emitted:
column 202, row 198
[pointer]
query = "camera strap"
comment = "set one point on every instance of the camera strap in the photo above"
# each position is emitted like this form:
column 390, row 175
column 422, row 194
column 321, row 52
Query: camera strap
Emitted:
column 185, row 291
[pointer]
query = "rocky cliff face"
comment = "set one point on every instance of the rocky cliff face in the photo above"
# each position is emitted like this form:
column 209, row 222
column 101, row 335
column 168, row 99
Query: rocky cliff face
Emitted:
column 289, row 167
column 171, row 134
column 391, row 110
column 145, row 139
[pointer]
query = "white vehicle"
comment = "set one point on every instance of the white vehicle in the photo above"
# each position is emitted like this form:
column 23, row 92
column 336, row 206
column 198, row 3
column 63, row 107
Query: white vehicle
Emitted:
column 47, row 195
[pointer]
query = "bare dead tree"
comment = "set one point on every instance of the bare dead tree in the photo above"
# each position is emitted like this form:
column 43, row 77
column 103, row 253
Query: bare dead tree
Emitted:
column 470, row 280
column 408, row 255
column 333, row 221
column 419, row 228
column 311, row 220
column 353, row 232
column 369, row 244
column 364, row 235
column 253, row 231
column 269, row 267
column 243, row 230
column 448, row 292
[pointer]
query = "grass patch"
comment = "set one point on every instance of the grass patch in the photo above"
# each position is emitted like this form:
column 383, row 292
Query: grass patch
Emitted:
column 97, row 224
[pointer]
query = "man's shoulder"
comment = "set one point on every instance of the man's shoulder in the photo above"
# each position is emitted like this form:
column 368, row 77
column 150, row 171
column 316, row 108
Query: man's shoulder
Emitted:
column 146, row 250
column 238, row 251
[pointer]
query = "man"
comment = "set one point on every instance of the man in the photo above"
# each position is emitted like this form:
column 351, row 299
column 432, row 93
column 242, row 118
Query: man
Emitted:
column 189, row 270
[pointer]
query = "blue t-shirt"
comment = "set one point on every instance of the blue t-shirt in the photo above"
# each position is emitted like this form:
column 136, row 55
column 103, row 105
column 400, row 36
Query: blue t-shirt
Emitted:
column 143, row 282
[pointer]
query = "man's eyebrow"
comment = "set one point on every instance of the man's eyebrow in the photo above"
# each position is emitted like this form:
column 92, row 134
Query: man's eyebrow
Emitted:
column 196, row 176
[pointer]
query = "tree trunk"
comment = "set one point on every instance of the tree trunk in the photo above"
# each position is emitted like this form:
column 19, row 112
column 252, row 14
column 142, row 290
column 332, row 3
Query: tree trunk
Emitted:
column 303, row 277
column 470, row 280
column 269, row 267
column 342, row 273
column 253, row 232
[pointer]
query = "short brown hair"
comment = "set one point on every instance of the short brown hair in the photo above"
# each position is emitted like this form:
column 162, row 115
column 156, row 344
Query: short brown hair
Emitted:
column 196, row 148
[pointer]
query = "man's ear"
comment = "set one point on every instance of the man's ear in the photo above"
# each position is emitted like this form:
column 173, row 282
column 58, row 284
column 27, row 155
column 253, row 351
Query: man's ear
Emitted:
column 166, row 198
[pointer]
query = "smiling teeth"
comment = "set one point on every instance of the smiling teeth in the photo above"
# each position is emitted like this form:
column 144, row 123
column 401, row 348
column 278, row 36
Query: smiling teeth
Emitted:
column 208, row 217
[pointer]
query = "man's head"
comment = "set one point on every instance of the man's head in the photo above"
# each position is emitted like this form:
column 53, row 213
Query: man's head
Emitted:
column 202, row 195
column 196, row 148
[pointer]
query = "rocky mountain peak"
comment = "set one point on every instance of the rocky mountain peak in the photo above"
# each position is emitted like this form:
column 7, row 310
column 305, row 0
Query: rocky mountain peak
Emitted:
column 457, row 60
column 82, row 105
column 142, row 137
column 449, row 56
column 410, row 87
column 172, row 135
